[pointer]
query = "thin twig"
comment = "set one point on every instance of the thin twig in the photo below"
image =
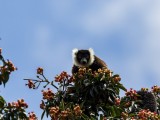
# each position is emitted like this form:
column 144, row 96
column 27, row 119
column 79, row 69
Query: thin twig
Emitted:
column 43, row 81
column 54, row 85
column 34, row 80
column 45, row 77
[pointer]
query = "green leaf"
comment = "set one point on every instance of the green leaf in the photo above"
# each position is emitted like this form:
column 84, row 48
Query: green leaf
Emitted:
column 2, row 102
column 93, row 118
column 101, row 117
column 62, row 105
column 82, row 104
column 113, row 113
column 6, row 78
column 43, row 114
column 85, row 117
column 118, row 111
column 122, row 87
column 69, row 105
column 158, row 100
column 47, row 113
column 116, row 75
column 22, row 115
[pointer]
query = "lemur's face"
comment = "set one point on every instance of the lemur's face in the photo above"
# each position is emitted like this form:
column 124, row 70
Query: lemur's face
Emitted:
column 83, row 57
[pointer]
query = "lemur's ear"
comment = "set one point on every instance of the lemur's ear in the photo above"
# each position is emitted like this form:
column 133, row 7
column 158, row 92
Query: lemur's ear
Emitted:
column 91, row 51
column 74, row 51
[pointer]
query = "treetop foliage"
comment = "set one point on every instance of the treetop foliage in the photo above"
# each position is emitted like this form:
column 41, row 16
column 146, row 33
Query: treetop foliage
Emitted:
column 86, row 95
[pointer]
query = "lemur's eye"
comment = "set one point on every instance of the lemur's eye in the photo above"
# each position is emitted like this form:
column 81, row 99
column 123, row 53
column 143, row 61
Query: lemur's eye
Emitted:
column 87, row 56
column 79, row 56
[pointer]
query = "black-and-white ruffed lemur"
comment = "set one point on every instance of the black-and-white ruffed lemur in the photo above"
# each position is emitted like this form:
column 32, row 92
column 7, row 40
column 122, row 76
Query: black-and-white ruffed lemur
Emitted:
column 87, row 59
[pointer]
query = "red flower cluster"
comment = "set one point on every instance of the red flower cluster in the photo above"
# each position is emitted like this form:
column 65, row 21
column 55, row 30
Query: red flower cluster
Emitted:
column 40, row 70
column 132, row 93
column 42, row 105
column 144, row 89
column 147, row 115
column 48, row 94
column 63, row 76
column 11, row 66
column 117, row 79
column 64, row 114
column 54, row 111
column 32, row 116
column 19, row 104
column 156, row 89
column 82, row 70
column 30, row 84
column 77, row 110
column 117, row 101
column 8, row 67
column 106, row 71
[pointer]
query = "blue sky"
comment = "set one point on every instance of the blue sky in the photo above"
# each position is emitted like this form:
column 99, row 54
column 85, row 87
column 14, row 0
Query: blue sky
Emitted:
column 125, row 34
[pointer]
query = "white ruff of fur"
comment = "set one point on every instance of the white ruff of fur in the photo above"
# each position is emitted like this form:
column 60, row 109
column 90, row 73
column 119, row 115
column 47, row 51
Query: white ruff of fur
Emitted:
column 75, row 62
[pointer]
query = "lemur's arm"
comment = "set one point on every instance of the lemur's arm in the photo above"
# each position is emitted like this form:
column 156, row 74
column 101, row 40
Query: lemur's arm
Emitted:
column 74, row 69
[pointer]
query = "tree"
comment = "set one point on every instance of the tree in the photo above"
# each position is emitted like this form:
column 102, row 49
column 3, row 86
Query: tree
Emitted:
column 86, row 95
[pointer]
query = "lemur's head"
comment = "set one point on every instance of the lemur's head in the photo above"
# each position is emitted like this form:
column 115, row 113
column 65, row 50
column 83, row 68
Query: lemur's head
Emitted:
column 83, row 58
